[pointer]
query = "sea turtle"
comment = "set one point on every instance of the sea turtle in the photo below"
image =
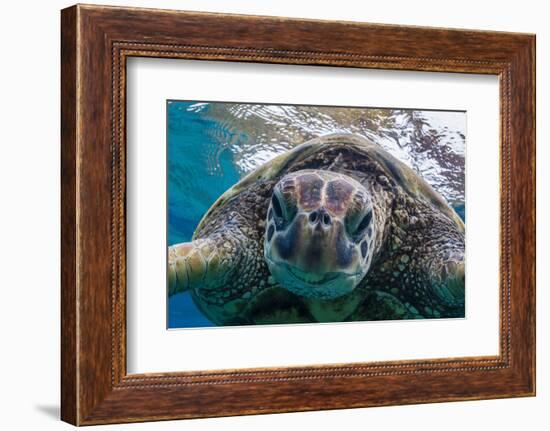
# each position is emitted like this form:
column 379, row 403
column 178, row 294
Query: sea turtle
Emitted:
column 335, row 229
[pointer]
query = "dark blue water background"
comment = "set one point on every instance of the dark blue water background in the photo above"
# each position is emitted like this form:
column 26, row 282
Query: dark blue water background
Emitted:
column 212, row 145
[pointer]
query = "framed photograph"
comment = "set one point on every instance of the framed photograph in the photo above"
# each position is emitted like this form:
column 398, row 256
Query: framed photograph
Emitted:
column 317, row 215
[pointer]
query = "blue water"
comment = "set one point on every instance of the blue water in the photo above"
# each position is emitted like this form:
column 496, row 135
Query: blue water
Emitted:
column 212, row 145
column 199, row 171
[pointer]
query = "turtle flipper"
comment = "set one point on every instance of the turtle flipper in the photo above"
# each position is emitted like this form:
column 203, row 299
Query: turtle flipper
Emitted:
column 193, row 264
column 180, row 260
column 446, row 282
column 215, row 263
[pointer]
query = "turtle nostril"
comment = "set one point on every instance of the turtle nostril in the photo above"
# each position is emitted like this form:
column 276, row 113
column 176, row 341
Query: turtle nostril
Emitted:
column 313, row 217
column 326, row 219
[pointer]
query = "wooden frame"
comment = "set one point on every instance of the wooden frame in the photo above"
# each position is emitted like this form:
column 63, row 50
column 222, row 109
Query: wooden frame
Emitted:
column 96, row 41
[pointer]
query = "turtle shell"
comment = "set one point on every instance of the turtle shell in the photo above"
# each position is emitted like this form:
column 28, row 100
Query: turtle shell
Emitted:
column 403, row 175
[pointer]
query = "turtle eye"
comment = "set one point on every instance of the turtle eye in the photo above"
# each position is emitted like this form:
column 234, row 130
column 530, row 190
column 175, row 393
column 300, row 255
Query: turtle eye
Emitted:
column 284, row 209
column 276, row 204
column 364, row 223
column 356, row 230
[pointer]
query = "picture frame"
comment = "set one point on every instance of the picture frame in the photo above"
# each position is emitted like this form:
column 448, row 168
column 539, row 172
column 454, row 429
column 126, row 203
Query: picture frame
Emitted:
column 96, row 42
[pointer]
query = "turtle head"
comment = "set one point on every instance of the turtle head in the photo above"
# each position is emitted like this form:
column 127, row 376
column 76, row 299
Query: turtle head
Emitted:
column 319, row 233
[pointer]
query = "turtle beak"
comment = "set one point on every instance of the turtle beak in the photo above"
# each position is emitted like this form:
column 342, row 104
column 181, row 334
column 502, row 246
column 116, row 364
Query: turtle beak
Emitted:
column 315, row 243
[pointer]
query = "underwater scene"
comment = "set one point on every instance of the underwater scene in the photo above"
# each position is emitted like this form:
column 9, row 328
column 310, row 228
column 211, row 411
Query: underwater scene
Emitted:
column 285, row 214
